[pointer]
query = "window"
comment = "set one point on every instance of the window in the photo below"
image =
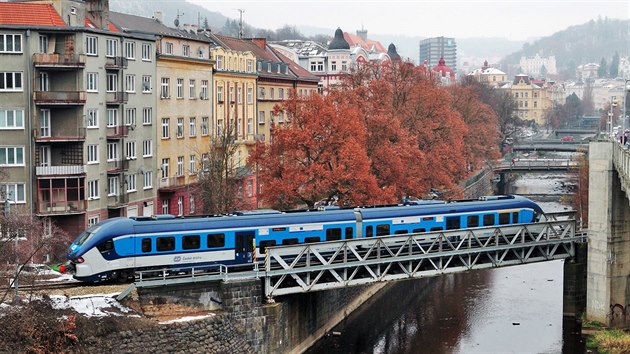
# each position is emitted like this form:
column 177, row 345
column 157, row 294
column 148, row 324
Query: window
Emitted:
column 239, row 95
column 219, row 126
column 43, row 43
column 130, row 50
column 250, row 126
column 148, row 179
column 147, row 148
column 112, row 183
column 11, row 119
column 93, row 189
column 271, row 93
column 250, row 65
column 200, row 53
column 504, row 218
column 220, row 62
column 333, row 234
column 204, row 126
column 515, row 217
column 168, row 48
column 180, row 127
column 10, row 81
column 93, row 220
column 92, row 82
column 130, row 152
column 281, row 93
column 192, row 92
column 165, row 88
column 146, row 51
column 192, row 165
column 44, row 81
column 280, row 117
column 215, row 240
column 180, row 88
column 192, row 242
column 131, row 182
column 231, row 94
column 165, row 167
column 191, row 204
column 333, row 65
column 146, row 245
column 261, row 117
column 14, row 191
column 180, row 205
column 130, row 117
column 269, row 67
column 290, row 241
column 165, row 128
column 163, row 244
column 112, row 151
column 250, row 96
column 165, row 206
column 11, row 43
column 271, row 243
column 112, row 82
column 112, row 48
column 220, row 94
column 44, row 123
column 349, row 233
column 186, row 50
column 344, row 66
column 147, row 115
column 382, row 230
column 488, row 219
column 91, row 45
column 180, row 165
column 11, row 156
column 146, row 84
column 192, row 126
column 204, row 89
column 112, row 117
column 472, row 221
column 92, row 152
column 452, row 222
column 130, row 83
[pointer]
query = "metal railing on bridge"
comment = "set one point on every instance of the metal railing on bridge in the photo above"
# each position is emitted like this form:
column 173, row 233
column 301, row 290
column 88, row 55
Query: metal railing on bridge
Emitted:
column 621, row 161
column 537, row 165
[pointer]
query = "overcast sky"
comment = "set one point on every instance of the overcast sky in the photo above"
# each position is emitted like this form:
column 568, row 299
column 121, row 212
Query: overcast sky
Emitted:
column 514, row 19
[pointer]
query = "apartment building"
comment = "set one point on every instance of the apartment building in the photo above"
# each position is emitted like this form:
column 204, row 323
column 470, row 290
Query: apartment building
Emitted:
column 431, row 50
column 533, row 99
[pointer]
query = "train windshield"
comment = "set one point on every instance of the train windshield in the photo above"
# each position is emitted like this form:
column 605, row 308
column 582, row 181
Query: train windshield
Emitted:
column 85, row 235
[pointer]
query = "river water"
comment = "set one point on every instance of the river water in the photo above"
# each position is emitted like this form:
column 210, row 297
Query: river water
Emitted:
column 505, row 310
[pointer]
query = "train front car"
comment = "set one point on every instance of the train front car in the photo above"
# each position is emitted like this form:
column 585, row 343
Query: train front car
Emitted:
column 92, row 256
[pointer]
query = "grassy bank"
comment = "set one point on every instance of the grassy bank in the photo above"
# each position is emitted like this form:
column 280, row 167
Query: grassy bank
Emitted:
column 610, row 341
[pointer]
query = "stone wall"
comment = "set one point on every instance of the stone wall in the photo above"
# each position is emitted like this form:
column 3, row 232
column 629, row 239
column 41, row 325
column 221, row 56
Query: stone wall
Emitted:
column 479, row 184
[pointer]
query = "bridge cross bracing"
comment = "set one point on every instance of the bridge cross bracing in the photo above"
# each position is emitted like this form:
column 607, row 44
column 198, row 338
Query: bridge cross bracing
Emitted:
column 621, row 162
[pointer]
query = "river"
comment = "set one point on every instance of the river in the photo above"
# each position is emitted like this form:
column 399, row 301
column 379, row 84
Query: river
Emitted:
column 505, row 310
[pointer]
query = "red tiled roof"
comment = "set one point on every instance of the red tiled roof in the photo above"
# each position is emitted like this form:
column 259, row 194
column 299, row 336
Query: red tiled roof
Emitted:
column 368, row 44
column 18, row 13
column 90, row 24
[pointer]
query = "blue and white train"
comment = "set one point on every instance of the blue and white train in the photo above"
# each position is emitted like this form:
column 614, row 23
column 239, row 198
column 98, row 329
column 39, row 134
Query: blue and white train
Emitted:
column 117, row 248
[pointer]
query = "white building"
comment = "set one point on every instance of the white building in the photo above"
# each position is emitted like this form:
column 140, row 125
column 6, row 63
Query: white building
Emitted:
column 532, row 66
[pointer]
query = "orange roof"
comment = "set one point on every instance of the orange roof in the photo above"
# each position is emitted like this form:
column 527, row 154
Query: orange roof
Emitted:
column 368, row 44
column 90, row 24
column 19, row 13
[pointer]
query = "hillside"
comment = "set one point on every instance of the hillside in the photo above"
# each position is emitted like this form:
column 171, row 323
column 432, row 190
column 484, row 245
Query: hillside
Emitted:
column 577, row 45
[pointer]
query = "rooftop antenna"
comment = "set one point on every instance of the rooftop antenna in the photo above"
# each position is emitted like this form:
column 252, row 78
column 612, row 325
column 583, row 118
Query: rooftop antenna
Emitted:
column 240, row 23
column 177, row 18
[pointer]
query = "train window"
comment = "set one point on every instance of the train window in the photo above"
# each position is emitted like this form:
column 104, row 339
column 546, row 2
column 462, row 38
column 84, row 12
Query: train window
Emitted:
column 415, row 231
column 437, row 228
column 488, row 219
column 264, row 244
column 472, row 221
column 382, row 230
column 146, row 245
column 333, row 234
column 401, row 232
column 191, row 242
column 504, row 218
column 452, row 222
column 311, row 239
column 290, row 241
column 165, row 244
column 349, row 233
column 106, row 246
column 216, row 240
column 369, row 231
column 515, row 218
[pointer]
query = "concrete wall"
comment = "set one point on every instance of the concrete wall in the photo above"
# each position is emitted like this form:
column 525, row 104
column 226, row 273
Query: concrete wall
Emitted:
column 478, row 185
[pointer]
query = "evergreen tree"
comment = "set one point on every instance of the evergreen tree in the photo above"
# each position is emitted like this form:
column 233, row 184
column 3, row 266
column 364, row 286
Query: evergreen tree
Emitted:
column 603, row 69
column 614, row 66
column 543, row 72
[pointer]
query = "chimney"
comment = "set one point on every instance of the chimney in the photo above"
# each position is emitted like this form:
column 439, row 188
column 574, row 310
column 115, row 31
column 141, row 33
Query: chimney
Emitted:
column 261, row 42
column 186, row 27
column 194, row 29
column 158, row 16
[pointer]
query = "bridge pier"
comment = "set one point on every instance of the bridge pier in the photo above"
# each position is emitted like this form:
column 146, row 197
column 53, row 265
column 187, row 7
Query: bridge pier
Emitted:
column 608, row 285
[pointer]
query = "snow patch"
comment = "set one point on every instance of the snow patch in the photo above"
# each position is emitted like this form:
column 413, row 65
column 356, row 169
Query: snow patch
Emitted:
column 96, row 305
column 188, row 318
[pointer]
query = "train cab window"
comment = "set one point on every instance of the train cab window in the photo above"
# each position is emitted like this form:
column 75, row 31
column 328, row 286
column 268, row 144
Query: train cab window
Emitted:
column 165, row 244
column 452, row 222
column 437, row 228
column 416, row 231
column 382, row 230
column 215, row 240
column 290, row 241
column 333, row 234
column 515, row 218
column 488, row 219
column 349, row 233
column 146, row 245
column 504, row 218
column 106, row 246
column 401, row 232
column 472, row 221
column 264, row 244
column 369, row 231
column 191, row 242
column 311, row 239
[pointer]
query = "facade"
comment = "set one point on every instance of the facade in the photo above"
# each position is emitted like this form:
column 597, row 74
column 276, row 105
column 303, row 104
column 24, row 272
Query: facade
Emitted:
column 492, row 77
column 74, row 80
column 533, row 66
column 432, row 49
column 587, row 71
column 532, row 100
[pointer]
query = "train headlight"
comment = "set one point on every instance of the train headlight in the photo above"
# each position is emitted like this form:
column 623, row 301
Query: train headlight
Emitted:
column 79, row 260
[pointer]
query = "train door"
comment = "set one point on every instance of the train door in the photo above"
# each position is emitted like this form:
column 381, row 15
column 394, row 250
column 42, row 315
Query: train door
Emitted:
column 244, row 246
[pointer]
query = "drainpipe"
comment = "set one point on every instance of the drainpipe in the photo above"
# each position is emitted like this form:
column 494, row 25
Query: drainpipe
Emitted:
column 31, row 144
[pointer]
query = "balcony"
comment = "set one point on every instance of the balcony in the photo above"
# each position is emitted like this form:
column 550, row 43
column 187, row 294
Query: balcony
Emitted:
column 116, row 167
column 59, row 61
column 117, row 132
column 61, row 134
column 116, row 63
column 47, row 171
column 117, row 97
column 60, row 97
column 172, row 183
column 65, row 207
column 117, row 201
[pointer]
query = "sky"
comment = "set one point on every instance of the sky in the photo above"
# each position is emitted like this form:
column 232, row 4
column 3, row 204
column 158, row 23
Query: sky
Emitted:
column 512, row 19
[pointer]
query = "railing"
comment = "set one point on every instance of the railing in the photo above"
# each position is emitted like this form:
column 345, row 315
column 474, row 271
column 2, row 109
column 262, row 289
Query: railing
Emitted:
column 118, row 166
column 116, row 63
column 117, row 97
column 172, row 182
column 117, row 132
column 621, row 162
column 59, row 170
column 537, row 164
column 60, row 97
column 65, row 207
column 117, row 201
column 60, row 134
column 59, row 60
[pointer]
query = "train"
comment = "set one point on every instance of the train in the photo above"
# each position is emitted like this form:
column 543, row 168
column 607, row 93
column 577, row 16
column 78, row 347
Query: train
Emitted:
column 117, row 248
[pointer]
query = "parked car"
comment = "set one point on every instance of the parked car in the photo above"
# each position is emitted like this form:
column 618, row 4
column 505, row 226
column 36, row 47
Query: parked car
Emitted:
column 567, row 138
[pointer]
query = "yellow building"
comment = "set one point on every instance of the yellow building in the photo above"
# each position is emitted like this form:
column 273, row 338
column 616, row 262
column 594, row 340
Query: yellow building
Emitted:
column 492, row 77
column 532, row 98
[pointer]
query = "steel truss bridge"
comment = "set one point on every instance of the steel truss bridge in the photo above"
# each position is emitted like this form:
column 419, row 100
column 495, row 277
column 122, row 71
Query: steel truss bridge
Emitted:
column 292, row 269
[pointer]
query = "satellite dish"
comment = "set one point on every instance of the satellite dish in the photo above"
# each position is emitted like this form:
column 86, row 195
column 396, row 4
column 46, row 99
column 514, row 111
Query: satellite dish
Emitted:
column 176, row 22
